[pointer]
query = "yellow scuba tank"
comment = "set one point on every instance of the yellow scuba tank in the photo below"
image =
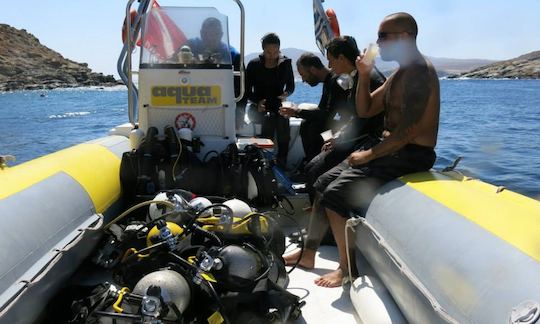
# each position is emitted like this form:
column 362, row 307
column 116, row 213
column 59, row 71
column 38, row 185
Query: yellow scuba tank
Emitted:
column 153, row 235
column 239, row 225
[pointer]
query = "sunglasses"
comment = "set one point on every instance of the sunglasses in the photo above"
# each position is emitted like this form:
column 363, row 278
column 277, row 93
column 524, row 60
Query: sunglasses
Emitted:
column 384, row 35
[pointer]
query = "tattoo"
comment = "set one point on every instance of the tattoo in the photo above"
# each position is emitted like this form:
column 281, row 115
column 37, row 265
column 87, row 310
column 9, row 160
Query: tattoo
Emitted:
column 415, row 100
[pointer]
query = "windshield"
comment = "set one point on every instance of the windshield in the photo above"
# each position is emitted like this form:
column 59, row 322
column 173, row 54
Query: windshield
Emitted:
column 186, row 36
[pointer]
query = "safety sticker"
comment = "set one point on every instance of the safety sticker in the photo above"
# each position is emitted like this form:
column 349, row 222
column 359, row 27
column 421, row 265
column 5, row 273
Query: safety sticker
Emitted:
column 185, row 120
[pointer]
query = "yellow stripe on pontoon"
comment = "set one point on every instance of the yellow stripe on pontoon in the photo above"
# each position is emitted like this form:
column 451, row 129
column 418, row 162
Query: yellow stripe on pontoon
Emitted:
column 93, row 166
column 508, row 215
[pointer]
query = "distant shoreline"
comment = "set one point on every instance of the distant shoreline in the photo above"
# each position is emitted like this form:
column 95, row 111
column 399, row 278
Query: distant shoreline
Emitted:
column 486, row 79
column 51, row 85
column 122, row 87
column 116, row 87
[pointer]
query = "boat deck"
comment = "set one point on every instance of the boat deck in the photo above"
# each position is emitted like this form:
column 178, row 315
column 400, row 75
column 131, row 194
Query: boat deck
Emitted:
column 323, row 305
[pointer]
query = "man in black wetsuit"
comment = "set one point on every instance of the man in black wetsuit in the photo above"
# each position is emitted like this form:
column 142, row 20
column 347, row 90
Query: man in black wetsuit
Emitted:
column 341, row 53
column 331, row 113
column 269, row 80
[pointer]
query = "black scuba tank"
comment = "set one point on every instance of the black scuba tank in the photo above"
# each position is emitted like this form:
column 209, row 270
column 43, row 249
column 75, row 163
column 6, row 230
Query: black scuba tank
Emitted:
column 147, row 178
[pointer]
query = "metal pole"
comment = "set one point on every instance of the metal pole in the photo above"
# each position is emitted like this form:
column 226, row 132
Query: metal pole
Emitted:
column 128, row 57
column 242, row 41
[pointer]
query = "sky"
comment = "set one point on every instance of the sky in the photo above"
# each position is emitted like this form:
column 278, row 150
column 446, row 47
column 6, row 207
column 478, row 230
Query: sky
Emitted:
column 89, row 31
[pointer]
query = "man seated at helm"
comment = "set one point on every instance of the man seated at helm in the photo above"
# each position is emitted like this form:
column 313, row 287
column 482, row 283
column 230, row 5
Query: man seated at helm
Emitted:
column 209, row 48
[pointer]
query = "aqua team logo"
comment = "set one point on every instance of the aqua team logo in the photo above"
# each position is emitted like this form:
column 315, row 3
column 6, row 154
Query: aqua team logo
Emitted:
column 188, row 95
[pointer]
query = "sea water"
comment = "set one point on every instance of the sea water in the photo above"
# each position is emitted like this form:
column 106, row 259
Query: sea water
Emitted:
column 492, row 124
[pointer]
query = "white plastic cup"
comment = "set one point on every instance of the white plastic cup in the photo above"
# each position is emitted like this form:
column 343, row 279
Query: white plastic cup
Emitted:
column 307, row 106
column 287, row 104
column 327, row 135
column 371, row 51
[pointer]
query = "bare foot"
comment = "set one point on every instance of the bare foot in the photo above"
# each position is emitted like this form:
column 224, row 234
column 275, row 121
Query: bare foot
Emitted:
column 307, row 261
column 331, row 279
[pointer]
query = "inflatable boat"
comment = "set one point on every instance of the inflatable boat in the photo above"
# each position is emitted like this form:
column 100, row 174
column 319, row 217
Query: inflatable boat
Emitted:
column 54, row 208
column 433, row 247
column 448, row 249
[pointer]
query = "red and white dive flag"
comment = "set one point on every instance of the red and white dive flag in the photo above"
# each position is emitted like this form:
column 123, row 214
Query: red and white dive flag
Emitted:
column 162, row 36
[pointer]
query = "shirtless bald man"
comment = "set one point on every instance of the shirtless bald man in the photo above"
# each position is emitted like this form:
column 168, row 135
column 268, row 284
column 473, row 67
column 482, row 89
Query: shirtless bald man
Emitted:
column 410, row 101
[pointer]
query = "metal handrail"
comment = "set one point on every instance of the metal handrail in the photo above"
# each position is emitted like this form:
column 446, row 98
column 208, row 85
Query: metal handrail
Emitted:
column 129, row 50
column 127, row 66
column 242, row 41
column 124, row 64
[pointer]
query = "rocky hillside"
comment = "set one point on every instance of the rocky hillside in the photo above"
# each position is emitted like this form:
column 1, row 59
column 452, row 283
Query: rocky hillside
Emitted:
column 26, row 64
column 450, row 66
column 523, row 67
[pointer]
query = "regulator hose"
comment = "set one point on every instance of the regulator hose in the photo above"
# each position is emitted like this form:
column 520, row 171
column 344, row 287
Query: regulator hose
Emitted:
column 199, row 230
column 139, row 205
